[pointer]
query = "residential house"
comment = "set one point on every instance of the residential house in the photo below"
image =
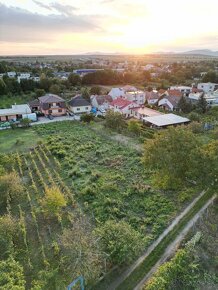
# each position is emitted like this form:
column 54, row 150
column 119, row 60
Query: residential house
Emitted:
column 14, row 113
column 207, row 87
column 116, row 93
column 101, row 102
column 11, row 74
column 23, row 76
column 182, row 89
column 141, row 112
column 79, row 105
column 152, row 97
column 123, row 106
column 52, row 105
column 170, row 99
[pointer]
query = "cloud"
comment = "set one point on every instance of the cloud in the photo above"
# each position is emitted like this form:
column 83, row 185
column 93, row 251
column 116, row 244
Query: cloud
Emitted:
column 62, row 9
column 42, row 5
column 21, row 25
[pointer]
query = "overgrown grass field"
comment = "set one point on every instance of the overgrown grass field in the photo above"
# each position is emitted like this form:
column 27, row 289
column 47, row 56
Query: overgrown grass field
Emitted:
column 103, row 179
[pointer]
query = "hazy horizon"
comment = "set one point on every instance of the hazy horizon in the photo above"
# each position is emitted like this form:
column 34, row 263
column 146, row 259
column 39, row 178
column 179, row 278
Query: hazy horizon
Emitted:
column 36, row 27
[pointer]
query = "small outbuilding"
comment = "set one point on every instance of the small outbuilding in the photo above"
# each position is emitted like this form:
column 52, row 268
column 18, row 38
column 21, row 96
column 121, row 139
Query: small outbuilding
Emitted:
column 14, row 113
column 165, row 120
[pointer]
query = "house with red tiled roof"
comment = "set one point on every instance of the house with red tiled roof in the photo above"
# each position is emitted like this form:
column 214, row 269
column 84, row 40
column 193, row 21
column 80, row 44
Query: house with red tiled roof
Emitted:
column 170, row 99
column 122, row 106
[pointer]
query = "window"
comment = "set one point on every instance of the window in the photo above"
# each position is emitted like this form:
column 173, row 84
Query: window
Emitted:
column 50, row 111
column 87, row 108
column 78, row 109
column 59, row 110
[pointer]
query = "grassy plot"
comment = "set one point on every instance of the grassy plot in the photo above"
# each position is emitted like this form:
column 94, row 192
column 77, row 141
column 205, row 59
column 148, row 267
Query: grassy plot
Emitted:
column 19, row 139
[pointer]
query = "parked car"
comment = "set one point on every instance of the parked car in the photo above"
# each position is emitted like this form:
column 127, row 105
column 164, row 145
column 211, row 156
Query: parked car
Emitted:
column 102, row 111
column 50, row 117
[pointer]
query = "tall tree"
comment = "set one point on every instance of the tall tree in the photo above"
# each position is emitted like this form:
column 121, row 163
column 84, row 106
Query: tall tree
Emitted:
column 202, row 104
column 172, row 154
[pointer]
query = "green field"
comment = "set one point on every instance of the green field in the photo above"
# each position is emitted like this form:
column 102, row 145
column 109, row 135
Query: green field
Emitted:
column 101, row 180
column 18, row 140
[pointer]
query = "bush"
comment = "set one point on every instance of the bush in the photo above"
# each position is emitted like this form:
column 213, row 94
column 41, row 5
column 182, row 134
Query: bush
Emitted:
column 53, row 201
column 87, row 118
column 196, row 127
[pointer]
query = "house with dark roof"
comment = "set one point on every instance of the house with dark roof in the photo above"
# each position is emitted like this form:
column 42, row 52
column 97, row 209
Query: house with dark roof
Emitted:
column 101, row 102
column 34, row 105
column 52, row 105
column 170, row 99
column 79, row 105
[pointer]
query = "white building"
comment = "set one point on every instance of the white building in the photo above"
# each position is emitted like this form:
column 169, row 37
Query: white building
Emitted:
column 207, row 87
column 11, row 74
column 182, row 89
column 141, row 112
column 14, row 113
column 23, row 76
column 116, row 93
column 136, row 96
column 101, row 102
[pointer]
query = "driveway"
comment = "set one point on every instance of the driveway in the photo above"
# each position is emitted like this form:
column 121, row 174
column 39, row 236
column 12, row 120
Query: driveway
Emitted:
column 44, row 120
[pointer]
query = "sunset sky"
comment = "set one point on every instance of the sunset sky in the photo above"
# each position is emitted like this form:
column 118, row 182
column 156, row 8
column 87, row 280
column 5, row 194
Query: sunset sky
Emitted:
column 129, row 26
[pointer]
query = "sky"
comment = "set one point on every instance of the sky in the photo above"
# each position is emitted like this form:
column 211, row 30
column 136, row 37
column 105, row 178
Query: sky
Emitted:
column 40, row 27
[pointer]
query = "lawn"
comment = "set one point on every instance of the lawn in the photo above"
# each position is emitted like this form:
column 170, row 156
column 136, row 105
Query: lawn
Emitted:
column 19, row 139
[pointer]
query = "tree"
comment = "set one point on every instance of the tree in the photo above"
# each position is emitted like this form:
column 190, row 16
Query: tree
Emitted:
column 210, row 77
column 202, row 104
column 44, row 83
column 11, row 275
column 184, row 105
column 28, row 85
column 120, row 241
column 9, row 229
column 3, row 87
column 55, row 89
column 80, row 249
column 134, row 127
column 25, row 122
column 53, row 201
column 74, row 79
column 40, row 92
column 95, row 90
column 114, row 120
column 173, row 155
column 10, row 184
column 209, row 164
column 85, row 94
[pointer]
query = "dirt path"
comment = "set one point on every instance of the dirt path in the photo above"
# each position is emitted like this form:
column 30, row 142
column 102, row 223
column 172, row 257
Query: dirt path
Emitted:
column 171, row 249
column 123, row 276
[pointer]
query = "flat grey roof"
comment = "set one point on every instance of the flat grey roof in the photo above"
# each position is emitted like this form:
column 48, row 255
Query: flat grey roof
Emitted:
column 16, row 110
column 165, row 120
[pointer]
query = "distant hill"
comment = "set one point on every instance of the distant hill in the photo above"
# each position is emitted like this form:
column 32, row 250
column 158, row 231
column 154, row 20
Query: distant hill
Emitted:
column 202, row 52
